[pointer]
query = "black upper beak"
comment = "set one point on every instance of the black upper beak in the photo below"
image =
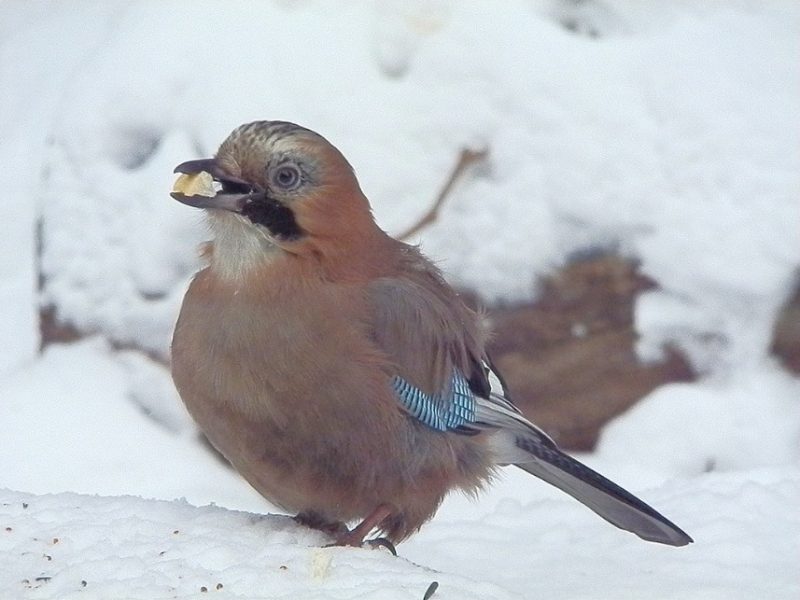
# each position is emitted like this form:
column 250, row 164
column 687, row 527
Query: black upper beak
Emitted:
column 235, row 194
column 210, row 165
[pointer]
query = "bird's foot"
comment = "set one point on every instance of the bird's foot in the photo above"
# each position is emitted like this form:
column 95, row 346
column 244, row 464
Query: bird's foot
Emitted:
column 379, row 542
column 356, row 537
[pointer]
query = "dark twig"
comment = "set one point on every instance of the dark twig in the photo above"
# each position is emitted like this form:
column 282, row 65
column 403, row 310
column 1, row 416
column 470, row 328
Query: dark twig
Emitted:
column 467, row 158
column 431, row 590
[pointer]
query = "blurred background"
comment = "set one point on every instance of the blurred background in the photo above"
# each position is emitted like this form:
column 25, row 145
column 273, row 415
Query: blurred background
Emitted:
column 631, row 225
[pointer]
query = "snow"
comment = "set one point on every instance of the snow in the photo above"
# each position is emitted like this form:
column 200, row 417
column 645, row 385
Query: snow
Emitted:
column 665, row 130
column 72, row 546
column 76, row 546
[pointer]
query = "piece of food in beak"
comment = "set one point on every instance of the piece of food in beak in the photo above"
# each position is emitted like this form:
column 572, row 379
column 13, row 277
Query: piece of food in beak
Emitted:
column 195, row 184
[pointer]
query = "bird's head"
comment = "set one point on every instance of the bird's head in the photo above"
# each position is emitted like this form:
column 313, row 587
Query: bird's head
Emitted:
column 275, row 187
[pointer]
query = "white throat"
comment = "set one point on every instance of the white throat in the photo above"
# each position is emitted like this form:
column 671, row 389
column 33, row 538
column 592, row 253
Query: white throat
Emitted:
column 239, row 246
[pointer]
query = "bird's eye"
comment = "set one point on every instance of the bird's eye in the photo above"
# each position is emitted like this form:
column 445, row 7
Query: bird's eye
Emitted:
column 286, row 177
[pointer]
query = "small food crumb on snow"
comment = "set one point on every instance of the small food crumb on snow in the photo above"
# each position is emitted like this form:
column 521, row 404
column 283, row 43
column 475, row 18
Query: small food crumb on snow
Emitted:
column 320, row 564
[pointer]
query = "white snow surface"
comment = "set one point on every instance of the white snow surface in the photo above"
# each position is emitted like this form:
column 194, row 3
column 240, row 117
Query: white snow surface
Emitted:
column 664, row 130
column 77, row 546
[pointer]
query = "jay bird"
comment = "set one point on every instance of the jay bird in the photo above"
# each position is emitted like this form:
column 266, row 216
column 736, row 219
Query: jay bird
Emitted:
column 334, row 367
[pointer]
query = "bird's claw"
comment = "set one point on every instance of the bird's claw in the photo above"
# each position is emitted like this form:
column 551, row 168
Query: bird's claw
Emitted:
column 373, row 543
column 382, row 542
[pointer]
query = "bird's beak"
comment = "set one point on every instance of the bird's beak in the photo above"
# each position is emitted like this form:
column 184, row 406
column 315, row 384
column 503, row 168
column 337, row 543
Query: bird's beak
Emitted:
column 196, row 187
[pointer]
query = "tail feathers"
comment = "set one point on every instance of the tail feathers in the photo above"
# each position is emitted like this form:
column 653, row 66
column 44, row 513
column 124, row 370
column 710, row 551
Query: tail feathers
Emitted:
column 543, row 459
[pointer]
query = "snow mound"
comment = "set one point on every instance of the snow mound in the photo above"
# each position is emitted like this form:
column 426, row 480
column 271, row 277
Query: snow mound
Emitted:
column 70, row 545
column 745, row 525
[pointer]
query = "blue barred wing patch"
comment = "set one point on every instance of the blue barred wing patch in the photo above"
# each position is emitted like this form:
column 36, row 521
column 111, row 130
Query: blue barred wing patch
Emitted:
column 449, row 409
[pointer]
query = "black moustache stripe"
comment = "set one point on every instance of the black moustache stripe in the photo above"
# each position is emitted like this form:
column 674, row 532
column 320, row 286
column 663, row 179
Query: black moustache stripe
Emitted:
column 273, row 215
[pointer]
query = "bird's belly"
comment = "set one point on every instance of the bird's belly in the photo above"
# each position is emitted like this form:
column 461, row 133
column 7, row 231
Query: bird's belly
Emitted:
column 323, row 436
column 344, row 475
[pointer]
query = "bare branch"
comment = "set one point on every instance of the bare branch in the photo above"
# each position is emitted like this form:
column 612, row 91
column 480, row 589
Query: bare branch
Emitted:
column 467, row 158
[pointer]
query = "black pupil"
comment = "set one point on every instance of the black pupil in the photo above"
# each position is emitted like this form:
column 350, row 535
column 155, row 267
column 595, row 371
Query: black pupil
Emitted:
column 287, row 177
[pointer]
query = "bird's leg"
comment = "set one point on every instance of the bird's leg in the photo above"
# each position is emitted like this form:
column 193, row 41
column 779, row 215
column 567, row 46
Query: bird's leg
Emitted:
column 356, row 536
column 316, row 521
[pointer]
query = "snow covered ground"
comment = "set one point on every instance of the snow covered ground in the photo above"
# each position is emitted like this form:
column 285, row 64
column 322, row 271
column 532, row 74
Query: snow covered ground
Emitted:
column 667, row 130
column 71, row 546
